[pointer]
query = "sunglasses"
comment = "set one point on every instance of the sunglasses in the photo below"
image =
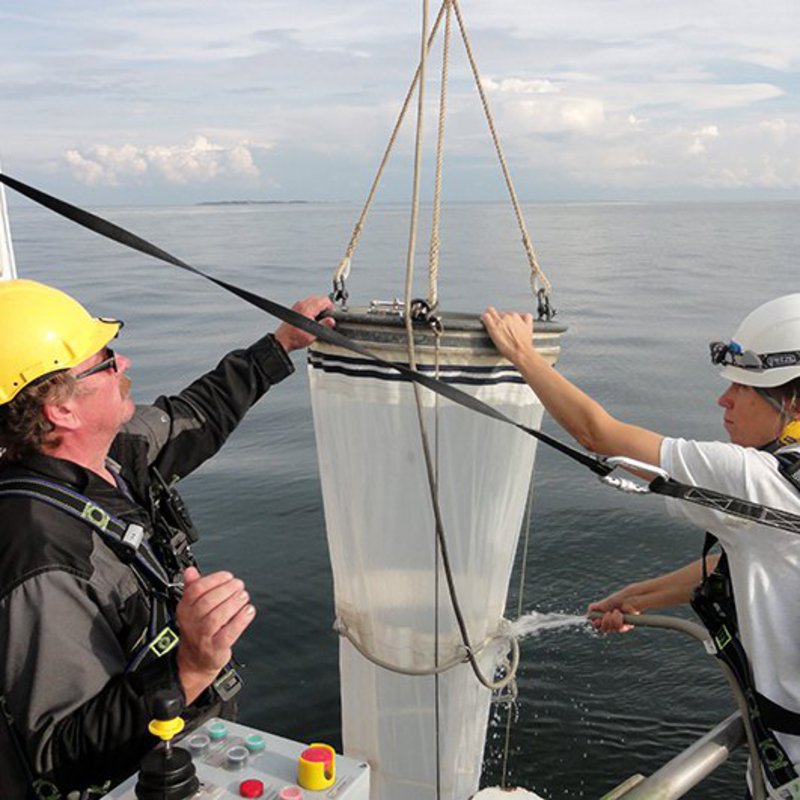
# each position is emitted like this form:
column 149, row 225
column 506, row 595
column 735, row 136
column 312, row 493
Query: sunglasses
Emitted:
column 109, row 362
column 732, row 354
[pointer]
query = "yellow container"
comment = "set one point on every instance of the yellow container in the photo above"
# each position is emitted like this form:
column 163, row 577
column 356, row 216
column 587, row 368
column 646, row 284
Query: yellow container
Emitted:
column 316, row 767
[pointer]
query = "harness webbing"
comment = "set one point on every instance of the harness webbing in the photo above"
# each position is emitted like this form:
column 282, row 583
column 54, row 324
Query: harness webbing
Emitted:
column 713, row 602
column 129, row 543
column 127, row 540
column 727, row 504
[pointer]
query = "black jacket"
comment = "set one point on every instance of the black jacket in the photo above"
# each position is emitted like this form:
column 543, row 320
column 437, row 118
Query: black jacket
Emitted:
column 72, row 612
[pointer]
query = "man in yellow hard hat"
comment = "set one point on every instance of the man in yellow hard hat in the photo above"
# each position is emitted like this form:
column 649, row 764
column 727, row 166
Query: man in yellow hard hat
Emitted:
column 101, row 603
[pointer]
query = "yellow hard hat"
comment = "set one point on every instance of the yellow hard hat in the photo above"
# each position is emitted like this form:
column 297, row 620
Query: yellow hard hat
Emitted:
column 43, row 330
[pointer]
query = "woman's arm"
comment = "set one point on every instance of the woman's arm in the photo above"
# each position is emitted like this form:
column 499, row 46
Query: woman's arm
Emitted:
column 581, row 416
column 671, row 589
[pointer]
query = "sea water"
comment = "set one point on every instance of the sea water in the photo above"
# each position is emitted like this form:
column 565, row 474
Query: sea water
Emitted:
column 642, row 287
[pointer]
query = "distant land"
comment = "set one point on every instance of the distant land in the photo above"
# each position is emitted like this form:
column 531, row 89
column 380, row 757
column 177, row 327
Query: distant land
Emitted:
column 251, row 202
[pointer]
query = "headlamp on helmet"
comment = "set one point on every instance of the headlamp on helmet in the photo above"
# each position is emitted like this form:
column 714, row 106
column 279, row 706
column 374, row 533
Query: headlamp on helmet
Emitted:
column 765, row 349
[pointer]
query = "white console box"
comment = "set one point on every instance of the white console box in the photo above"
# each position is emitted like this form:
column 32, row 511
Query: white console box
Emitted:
column 275, row 765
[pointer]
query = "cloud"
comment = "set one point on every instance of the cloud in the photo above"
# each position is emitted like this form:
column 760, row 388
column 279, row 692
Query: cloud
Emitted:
column 734, row 156
column 199, row 161
column 697, row 146
column 681, row 130
column 640, row 94
column 527, row 107
column 520, row 86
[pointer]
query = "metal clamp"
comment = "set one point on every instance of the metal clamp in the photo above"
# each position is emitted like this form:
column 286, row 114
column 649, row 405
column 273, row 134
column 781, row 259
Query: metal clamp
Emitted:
column 388, row 307
column 340, row 293
column 423, row 311
column 544, row 310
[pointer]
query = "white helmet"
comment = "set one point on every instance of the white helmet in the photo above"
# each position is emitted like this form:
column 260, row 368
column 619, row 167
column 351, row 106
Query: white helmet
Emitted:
column 765, row 350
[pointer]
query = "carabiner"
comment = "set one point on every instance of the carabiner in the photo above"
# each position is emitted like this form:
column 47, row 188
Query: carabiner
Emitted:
column 627, row 484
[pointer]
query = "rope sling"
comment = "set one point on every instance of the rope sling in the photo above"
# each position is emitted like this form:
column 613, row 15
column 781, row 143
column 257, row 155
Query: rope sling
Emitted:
column 540, row 284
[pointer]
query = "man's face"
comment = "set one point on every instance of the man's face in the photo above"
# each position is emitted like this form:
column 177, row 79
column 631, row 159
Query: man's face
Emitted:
column 102, row 397
column 748, row 418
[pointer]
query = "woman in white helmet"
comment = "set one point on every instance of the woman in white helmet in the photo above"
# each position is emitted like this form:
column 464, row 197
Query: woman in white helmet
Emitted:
column 761, row 565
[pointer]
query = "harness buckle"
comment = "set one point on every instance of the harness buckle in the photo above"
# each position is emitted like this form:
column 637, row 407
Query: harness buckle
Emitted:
column 790, row 790
column 773, row 757
column 164, row 642
column 228, row 684
column 133, row 537
column 723, row 638
column 96, row 515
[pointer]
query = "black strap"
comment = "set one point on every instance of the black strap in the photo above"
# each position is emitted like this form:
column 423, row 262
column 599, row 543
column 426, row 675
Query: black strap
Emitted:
column 294, row 318
column 778, row 718
column 789, row 466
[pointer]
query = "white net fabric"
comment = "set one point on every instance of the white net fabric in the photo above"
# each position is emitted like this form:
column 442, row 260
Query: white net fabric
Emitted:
column 380, row 526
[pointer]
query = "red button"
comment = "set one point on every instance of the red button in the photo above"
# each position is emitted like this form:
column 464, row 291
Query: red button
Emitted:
column 251, row 788
column 321, row 754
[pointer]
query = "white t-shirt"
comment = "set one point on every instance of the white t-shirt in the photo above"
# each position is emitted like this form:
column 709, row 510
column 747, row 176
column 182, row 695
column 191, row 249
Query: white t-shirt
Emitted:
column 764, row 562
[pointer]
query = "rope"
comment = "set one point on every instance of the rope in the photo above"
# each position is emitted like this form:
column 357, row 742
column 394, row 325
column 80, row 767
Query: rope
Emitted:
column 436, row 586
column 536, row 272
column 537, row 276
column 412, row 358
column 520, row 602
column 343, row 270
column 409, row 326
column 433, row 260
column 412, row 230
column 469, row 656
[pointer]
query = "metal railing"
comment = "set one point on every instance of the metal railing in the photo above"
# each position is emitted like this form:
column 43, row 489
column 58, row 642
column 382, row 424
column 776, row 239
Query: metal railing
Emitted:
column 688, row 768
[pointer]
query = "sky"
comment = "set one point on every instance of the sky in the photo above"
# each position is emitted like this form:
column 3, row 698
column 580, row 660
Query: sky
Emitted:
column 594, row 100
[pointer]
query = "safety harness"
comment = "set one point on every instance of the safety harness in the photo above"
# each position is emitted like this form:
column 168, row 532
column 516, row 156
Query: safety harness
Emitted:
column 158, row 562
column 129, row 543
column 713, row 602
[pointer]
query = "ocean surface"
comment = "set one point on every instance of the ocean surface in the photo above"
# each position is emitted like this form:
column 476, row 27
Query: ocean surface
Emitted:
column 643, row 288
